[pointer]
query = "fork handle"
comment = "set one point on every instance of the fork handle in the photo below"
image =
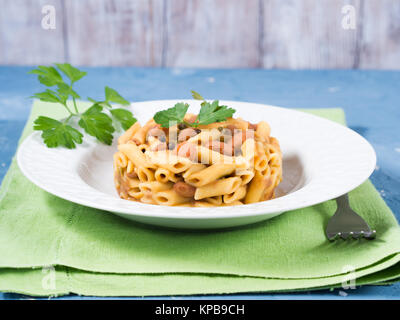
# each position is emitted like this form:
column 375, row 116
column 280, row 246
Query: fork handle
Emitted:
column 343, row 202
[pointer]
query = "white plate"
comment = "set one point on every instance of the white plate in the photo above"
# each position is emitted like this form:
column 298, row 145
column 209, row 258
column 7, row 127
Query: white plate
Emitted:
column 321, row 161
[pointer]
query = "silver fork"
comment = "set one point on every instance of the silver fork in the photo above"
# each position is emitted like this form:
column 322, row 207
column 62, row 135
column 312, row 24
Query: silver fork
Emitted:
column 346, row 223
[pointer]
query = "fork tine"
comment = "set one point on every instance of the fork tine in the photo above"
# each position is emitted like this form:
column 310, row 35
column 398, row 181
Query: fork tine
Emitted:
column 347, row 224
column 345, row 235
column 352, row 235
column 370, row 235
column 332, row 236
column 357, row 234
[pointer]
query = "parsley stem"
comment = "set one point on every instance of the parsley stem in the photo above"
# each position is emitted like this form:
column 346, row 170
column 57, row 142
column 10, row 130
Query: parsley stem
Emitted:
column 65, row 105
column 69, row 117
column 76, row 108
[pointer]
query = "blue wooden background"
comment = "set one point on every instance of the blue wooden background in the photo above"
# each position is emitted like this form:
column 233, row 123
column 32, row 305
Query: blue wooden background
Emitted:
column 371, row 100
column 289, row 34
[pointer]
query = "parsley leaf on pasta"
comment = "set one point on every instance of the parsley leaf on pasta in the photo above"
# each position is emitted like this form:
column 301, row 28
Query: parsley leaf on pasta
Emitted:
column 213, row 112
column 210, row 112
column 56, row 133
column 171, row 116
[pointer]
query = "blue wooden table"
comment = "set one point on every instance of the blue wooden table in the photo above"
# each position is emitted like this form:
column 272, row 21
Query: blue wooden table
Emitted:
column 371, row 100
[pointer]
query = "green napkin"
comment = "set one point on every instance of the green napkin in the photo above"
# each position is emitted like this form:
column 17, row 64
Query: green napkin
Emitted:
column 98, row 253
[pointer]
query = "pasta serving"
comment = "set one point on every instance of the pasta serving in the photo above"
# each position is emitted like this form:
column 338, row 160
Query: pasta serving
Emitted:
column 223, row 163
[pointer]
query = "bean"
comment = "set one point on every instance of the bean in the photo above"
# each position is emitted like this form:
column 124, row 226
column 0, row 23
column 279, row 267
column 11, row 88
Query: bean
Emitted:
column 186, row 133
column 184, row 189
column 157, row 133
column 186, row 150
column 132, row 175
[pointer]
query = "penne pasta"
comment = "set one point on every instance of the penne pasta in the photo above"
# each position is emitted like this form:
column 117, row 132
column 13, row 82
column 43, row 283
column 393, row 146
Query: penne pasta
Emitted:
column 178, row 166
column 263, row 130
column 239, row 123
column 134, row 154
column 205, row 136
column 164, row 175
column 169, row 161
column 245, row 175
column 216, row 201
column 260, row 158
column 129, row 133
column 169, row 198
column 134, row 193
column 120, row 160
column 210, row 174
column 255, row 190
column 154, row 186
column 208, row 156
column 196, row 167
column 148, row 198
column 219, row 164
column 248, row 149
column 145, row 174
column 133, row 189
column 218, row 188
column 140, row 135
column 235, row 196
column 143, row 147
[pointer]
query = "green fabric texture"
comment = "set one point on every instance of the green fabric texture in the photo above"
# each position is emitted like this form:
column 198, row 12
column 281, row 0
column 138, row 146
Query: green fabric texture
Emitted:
column 98, row 253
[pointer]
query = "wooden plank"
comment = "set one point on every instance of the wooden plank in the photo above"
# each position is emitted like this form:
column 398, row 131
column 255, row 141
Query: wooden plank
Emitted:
column 307, row 34
column 115, row 33
column 289, row 34
column 23, row 41
column 212, row 33
column 380, row 41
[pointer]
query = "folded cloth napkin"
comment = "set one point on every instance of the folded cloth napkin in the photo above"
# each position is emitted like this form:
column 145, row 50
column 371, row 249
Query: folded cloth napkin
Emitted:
column 49, row 246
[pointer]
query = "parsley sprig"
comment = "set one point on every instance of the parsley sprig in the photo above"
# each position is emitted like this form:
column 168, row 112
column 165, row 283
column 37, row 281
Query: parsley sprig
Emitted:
column 210, row 112
column 99, row 121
